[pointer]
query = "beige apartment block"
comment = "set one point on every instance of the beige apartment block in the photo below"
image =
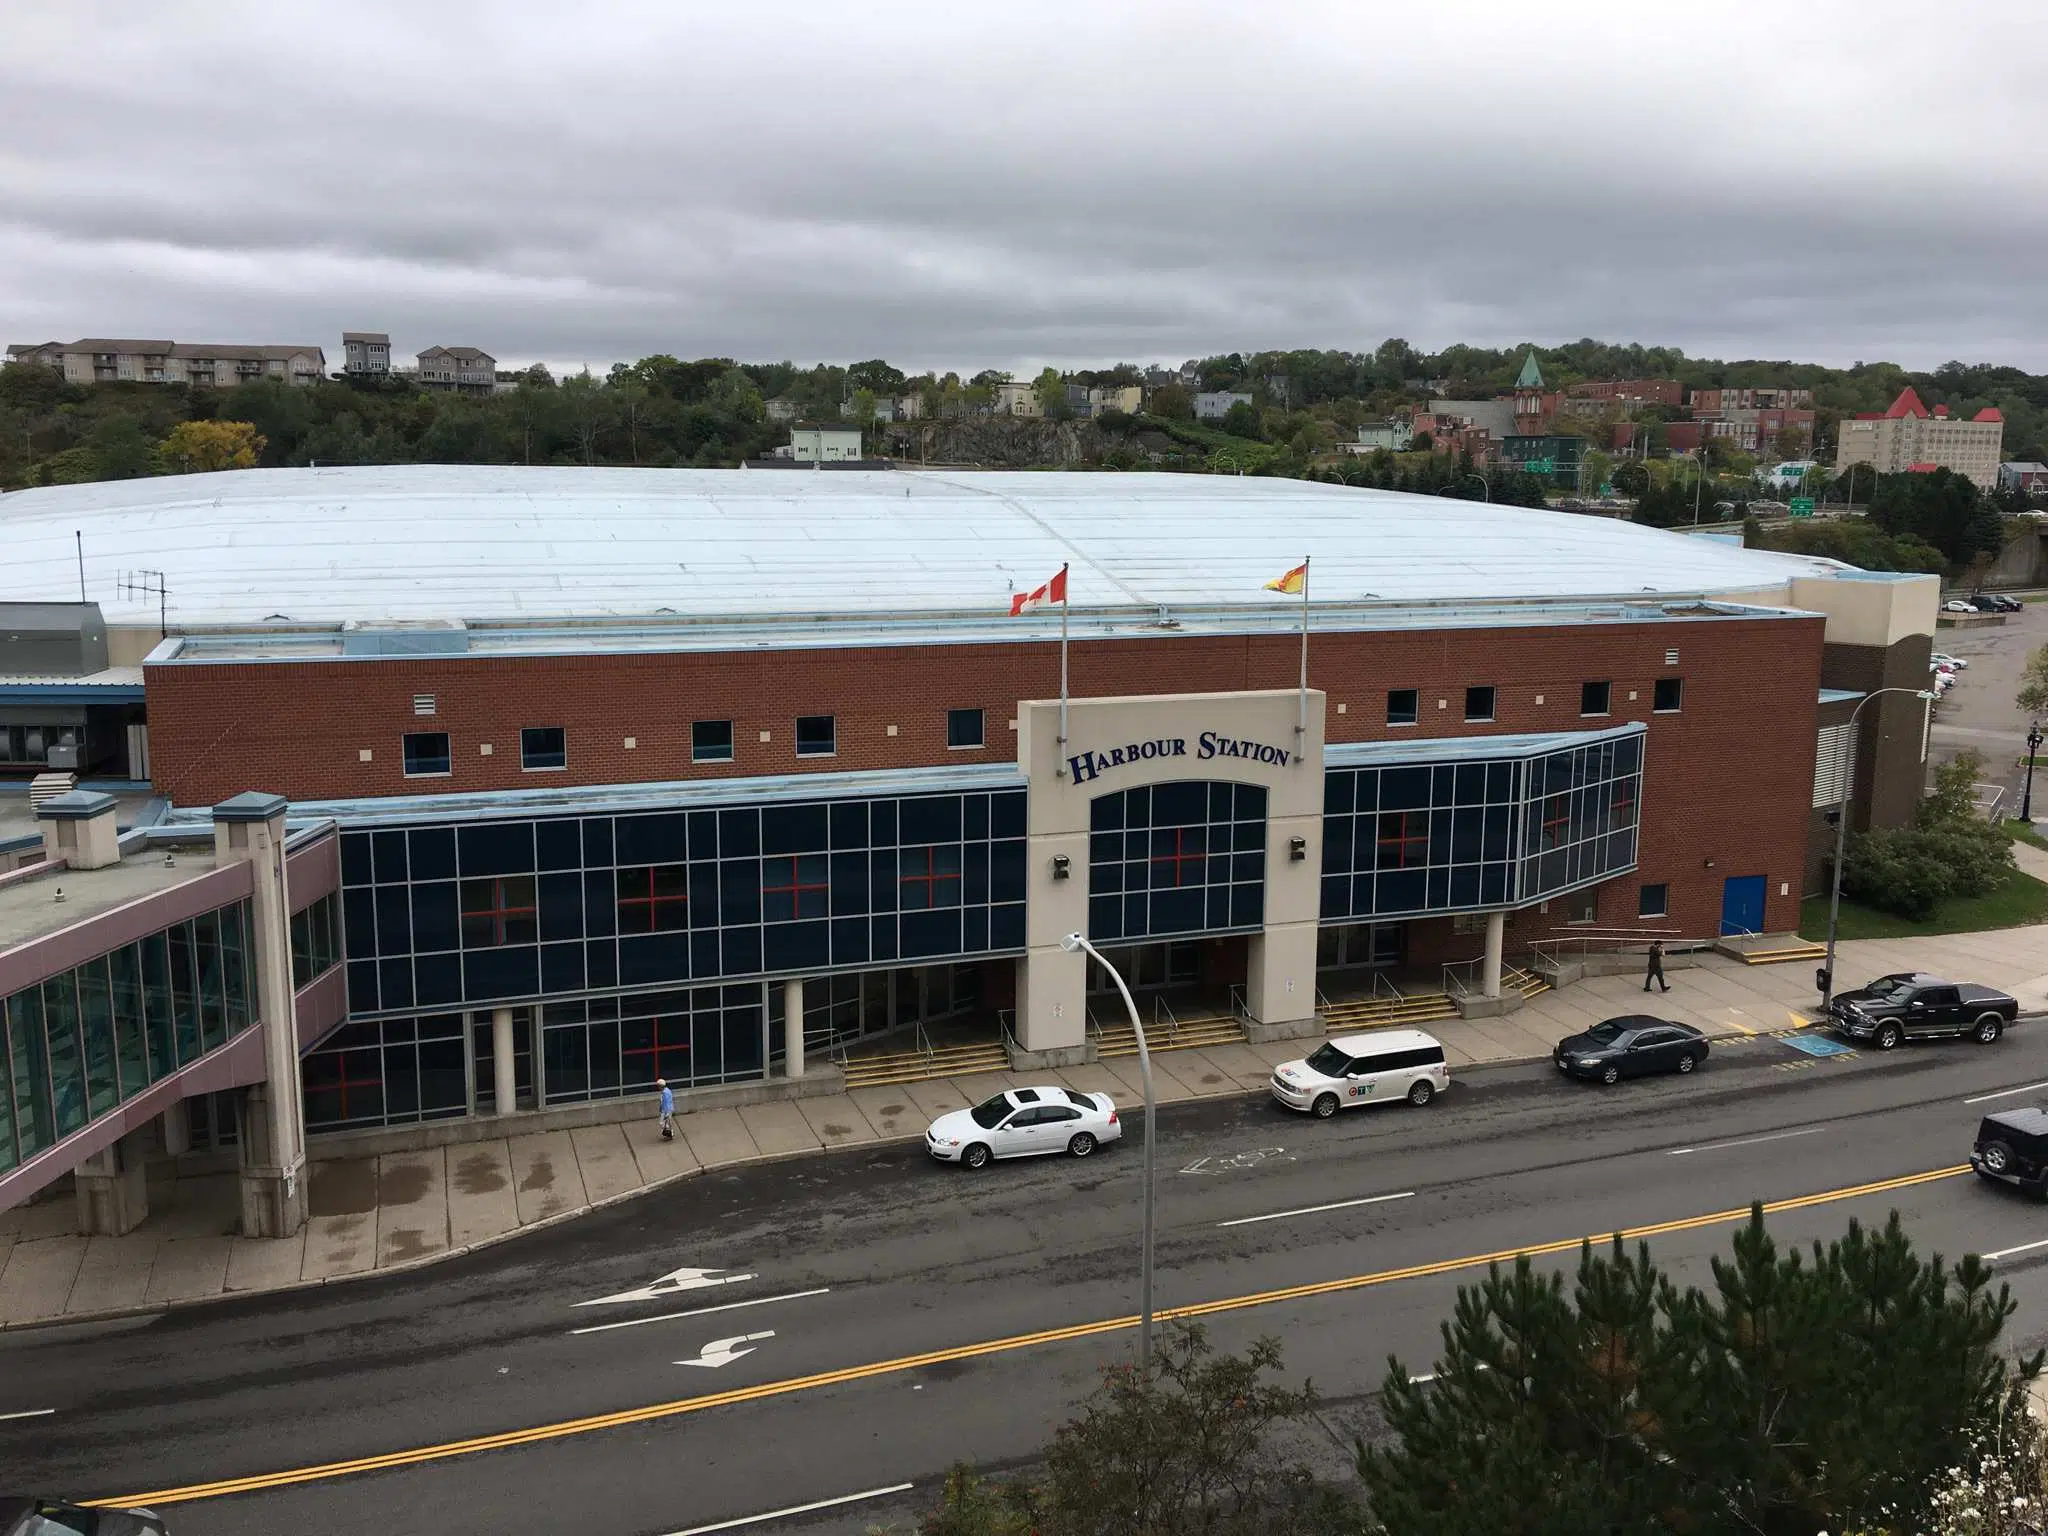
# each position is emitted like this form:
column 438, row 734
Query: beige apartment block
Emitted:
column 218, row 365
column 1909, row 435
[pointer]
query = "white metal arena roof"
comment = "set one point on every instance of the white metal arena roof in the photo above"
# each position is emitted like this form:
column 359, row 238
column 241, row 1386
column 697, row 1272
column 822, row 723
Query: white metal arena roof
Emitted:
column 494, row 544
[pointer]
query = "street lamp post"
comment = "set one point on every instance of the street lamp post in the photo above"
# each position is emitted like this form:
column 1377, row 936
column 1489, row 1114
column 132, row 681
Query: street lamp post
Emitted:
column 1071, row 943
column 1485, row 485
column 1827, row 975
column 2034, row 740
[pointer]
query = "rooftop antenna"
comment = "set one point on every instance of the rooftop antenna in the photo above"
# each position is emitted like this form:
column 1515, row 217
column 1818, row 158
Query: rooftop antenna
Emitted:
column 150, row 584
column 78, row 534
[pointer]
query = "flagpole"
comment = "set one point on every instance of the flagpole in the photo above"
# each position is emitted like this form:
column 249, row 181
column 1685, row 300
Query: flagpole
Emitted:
column 1301, row 728
column 1063, row 664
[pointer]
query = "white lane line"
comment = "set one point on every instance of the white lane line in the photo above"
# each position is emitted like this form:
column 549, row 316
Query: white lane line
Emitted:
column 2006, row 1253
column 795, row 1509
column 1747, row 1141
column 1311, row 1210
column 29, row 1413
column 2004, row 1093
column 669, row 1317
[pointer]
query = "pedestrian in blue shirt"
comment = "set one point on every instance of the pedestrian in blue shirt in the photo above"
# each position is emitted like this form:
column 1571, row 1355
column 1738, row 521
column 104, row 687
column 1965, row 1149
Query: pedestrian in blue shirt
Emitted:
column 668, row 1109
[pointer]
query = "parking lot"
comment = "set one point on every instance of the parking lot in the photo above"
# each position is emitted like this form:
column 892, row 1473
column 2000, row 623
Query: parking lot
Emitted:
column 1979, row 711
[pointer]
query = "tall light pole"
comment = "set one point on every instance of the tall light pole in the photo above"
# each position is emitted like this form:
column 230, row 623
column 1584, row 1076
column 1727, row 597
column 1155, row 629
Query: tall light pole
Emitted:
column 1071, row 943
column 1827, row 975
column 2034, row 740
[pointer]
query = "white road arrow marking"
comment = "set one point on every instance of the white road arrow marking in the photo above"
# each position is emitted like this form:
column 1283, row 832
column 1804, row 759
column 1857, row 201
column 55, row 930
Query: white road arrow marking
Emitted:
column 722, row 1351
column 670, row 1284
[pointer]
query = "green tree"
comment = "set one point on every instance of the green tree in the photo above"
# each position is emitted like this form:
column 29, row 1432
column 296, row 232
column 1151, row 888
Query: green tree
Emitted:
column 1051, row 392
column 2033, row 695
column 1948, row 849
column 1171, row 402
column 1798, row 1393
column 121, row 449
column 1631, row 478
column 877, row 376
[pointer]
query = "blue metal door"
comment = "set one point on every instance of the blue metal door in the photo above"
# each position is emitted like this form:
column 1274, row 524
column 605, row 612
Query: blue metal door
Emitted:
column 1742, row 904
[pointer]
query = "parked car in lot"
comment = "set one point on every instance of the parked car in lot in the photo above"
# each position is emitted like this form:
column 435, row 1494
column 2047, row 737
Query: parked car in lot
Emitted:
column 1024, row 1122
column 2012, row 1148
column 1385, row 1066
column 1958, row 605
column 1633, row 1045
column 48, row 1517
column 1911, row 1005
column 1952, row 663
column 2003, row 604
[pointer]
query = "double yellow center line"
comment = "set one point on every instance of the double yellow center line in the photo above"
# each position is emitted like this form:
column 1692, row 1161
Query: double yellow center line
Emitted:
column 653, row 1411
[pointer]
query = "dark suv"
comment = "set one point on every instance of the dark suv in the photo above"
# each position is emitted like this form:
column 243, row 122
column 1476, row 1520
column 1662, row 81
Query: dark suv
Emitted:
column 2012, row 1147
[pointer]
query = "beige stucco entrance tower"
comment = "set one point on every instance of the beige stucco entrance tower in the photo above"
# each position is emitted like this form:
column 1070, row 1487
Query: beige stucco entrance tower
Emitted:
column 1273, row 739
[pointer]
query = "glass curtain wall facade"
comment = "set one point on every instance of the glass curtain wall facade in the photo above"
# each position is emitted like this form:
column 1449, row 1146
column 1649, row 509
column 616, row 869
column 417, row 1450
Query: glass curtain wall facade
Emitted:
column 78, row 1044
column 499, row 911
column 1409, row 840
column 1176, row 858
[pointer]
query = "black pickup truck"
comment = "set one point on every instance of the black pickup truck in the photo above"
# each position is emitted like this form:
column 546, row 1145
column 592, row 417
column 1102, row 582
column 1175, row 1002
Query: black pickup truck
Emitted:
column 1911, row 1005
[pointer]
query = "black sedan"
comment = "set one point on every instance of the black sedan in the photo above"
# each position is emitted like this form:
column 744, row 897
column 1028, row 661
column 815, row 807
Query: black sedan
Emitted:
column 1633, row 1045
column 47, row 1517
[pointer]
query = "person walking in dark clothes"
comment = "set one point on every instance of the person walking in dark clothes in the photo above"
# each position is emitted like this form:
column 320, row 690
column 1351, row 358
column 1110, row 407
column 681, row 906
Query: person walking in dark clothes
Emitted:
column 1656, row 968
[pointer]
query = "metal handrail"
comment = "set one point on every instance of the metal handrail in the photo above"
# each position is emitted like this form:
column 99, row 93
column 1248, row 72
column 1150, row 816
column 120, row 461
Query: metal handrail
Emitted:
column 1458, row 977
column 1240, row 1005
column 1005, row 1017
column 1163, row 1016
column 924, row 1040
column 1380, row 983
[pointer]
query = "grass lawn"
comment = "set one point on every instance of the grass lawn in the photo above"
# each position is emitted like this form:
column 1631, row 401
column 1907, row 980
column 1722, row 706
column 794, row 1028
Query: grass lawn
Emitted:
column 2022, row 899
column 2020, row 832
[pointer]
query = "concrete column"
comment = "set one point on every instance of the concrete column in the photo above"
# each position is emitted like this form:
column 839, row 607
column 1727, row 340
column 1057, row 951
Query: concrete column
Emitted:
column 177, row 1130
column 504, row 1069
column 250, row 827
column 1496, row 931
column 112, row 1192
column 793, row 1027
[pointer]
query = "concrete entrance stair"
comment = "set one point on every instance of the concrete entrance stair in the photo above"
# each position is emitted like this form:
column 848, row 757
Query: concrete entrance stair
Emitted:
column 1410, row 1012
column 1114, row 1040
column 962, row 1060
column 1772, row 949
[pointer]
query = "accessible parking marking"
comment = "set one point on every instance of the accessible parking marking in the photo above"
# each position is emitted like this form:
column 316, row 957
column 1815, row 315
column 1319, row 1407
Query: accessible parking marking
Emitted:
column 652, row 1412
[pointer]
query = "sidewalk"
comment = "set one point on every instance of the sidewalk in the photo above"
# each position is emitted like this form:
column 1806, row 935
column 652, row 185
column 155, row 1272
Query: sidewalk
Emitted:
column 391, row 1212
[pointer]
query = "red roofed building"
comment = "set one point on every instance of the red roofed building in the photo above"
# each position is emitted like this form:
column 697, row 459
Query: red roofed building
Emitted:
column 1909, row 437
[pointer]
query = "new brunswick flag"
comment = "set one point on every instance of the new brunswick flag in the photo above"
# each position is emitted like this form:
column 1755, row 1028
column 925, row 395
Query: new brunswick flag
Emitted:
column 1293, row 581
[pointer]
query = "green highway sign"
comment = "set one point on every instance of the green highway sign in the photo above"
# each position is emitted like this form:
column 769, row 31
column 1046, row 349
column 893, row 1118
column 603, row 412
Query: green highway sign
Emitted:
column 1538, row 466
column 1802, row 506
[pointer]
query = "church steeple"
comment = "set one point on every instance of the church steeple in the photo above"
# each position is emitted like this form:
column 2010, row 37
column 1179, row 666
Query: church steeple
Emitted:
column 1531, row 376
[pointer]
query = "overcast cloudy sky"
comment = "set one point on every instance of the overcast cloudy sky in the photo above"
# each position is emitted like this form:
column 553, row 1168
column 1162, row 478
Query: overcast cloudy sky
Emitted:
column 966, row 185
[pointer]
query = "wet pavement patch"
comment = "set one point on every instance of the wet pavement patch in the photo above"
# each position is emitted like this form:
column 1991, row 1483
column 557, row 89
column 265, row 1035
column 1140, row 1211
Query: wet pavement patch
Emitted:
column 540, row 1176
column 405, row 1184
column 344, row 1187
column 479, row 1174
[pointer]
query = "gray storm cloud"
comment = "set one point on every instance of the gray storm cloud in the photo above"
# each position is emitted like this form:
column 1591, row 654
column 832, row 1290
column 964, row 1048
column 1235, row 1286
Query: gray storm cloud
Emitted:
column 967, row 187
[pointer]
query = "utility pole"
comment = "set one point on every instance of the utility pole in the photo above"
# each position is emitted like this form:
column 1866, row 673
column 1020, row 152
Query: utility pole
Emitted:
column 150, row 584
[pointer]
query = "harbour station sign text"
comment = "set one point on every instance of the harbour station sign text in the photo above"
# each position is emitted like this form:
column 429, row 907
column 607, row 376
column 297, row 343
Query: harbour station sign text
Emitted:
column 1089, row 765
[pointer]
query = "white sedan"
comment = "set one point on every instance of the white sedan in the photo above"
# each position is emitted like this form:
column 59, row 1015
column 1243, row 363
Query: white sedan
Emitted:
column 1024, row 1122
column 1956, row 605
column 1954, row 663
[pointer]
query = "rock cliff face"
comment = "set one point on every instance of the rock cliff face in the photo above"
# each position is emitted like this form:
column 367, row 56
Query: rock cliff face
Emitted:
column 995, row 442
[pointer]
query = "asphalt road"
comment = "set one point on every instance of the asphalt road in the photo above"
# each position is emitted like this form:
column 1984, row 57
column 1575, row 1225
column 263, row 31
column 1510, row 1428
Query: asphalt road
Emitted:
column 877, row 1283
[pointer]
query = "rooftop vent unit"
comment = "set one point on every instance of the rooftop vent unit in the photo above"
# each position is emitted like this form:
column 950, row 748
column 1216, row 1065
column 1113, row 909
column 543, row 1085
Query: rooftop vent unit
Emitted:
column 404, row 637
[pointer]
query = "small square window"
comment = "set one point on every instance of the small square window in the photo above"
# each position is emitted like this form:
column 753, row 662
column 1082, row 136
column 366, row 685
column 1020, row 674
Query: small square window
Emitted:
column 1478, row 703
column 815, row 736
column 1401, row 706
column 1582, row 907
column 426, row 752
column 1669, row 696
column 711, row 741
column 543, row 746
column 1594, row 697
column 964, row 728
column 1653, row 900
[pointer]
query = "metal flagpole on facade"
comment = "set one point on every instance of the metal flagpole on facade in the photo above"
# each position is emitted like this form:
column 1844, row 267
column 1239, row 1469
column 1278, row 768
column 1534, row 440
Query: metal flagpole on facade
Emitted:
column 1301, row 725
column 1063, row 663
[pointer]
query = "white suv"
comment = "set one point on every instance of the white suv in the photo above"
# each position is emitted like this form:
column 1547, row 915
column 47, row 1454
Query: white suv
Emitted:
column 1384, row 1067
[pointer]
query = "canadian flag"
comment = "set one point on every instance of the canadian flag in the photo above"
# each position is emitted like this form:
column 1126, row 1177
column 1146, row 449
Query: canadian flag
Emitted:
column 1054, row 591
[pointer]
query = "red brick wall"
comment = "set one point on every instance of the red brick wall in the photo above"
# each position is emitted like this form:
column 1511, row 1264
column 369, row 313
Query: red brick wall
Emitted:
column 1729, row 778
